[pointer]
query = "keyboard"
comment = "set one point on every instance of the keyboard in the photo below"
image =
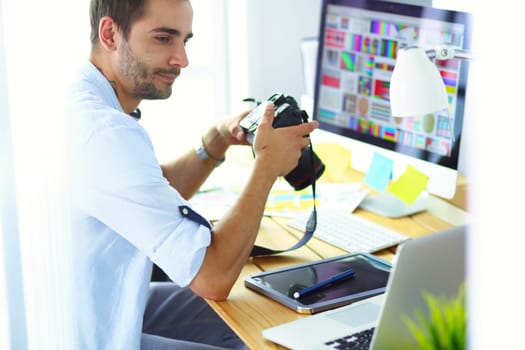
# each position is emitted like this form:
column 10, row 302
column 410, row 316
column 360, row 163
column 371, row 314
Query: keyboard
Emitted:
column 349, row 231
column 356, row 341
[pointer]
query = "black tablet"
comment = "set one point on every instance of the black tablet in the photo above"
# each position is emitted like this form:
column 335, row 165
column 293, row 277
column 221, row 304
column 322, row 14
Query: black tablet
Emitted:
column 369, row 278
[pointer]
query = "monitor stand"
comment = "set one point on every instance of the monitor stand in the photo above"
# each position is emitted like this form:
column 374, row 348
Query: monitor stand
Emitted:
column 388, row 205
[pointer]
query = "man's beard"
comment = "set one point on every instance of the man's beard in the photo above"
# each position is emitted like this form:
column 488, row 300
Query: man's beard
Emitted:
column 137, row 71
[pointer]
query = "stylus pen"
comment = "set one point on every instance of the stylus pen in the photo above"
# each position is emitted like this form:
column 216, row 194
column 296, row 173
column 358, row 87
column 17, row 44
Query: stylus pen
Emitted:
column 334, row 279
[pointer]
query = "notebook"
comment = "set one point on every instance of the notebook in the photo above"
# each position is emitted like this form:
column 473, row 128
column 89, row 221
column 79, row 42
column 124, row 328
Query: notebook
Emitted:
column 434, row 263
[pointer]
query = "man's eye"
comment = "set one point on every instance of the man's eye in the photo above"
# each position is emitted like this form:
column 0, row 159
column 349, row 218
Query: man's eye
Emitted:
column 163, row 39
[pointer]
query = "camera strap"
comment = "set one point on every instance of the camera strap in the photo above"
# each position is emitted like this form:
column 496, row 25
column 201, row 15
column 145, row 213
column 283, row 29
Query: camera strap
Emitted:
column 311, row 224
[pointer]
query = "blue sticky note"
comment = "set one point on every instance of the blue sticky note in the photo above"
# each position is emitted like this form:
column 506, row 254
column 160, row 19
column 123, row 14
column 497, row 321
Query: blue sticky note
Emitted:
column 379, row 173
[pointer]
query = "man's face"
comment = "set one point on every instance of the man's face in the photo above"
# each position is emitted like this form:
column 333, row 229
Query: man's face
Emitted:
column 154, row 54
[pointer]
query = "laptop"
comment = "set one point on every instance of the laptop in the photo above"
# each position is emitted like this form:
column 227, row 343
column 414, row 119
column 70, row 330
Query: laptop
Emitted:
column 434, row 263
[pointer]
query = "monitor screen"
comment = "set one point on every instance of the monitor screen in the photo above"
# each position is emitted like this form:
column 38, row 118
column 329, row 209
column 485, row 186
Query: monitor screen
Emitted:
column 358, row 45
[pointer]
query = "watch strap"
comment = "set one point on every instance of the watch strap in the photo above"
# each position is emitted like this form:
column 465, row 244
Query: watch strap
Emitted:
column 203, row 154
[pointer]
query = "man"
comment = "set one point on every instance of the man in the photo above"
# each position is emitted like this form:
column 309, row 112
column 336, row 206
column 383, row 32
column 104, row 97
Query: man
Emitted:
column 128, row 211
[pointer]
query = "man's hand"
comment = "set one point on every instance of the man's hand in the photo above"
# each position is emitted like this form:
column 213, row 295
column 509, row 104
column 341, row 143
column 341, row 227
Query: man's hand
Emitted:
column 280, row 148
column 230, row 130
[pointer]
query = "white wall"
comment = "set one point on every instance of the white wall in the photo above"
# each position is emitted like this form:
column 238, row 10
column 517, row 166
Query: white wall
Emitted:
column 274, row 32
column 496, row 247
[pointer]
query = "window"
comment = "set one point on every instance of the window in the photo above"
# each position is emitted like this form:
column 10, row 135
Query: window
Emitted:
column 200, row 94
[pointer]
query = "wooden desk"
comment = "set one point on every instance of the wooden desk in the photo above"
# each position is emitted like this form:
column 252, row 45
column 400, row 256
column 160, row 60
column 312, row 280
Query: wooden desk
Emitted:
column 248, row 312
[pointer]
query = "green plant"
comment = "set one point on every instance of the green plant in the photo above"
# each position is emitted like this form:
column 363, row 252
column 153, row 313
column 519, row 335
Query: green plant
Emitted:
column 445, row 324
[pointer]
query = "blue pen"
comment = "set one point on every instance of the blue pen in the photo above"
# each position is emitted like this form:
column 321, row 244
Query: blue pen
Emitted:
column 334, row 279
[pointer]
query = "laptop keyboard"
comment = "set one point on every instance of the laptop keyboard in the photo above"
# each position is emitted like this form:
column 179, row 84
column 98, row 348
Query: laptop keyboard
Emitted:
column 356, row 341
column 349, row 231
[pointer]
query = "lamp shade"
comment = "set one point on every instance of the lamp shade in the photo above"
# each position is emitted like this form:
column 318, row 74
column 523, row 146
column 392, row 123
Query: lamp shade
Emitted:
column 416, row 87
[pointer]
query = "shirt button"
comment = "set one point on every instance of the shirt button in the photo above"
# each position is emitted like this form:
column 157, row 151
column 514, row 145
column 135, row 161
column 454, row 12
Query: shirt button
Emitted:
column 185, row 211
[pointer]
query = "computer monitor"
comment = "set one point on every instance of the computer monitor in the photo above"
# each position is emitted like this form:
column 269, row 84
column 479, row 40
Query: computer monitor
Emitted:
column 358, row 45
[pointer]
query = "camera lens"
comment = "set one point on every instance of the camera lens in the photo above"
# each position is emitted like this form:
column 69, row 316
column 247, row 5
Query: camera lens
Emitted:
column 309, row 169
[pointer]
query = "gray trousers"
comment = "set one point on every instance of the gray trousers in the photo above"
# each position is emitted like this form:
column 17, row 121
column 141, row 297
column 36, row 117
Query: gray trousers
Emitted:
column 176, row 318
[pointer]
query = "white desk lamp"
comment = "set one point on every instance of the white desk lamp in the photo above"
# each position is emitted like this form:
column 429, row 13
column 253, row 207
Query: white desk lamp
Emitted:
column 416, row 87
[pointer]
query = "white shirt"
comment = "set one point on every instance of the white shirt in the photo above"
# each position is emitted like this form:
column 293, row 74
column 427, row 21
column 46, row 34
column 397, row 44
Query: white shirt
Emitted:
column 125, row 215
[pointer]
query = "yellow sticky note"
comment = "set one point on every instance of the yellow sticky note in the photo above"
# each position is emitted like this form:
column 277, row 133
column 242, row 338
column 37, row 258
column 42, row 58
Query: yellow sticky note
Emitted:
column 409, row 186
column 337, row 160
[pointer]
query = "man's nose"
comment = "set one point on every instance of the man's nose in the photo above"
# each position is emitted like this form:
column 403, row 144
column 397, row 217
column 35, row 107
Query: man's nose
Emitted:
column 179, row 57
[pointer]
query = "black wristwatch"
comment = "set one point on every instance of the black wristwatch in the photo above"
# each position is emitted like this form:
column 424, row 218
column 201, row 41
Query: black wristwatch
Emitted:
column 205, row 156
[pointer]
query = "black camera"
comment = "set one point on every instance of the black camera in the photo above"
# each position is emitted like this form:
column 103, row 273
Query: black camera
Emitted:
column 288, row 113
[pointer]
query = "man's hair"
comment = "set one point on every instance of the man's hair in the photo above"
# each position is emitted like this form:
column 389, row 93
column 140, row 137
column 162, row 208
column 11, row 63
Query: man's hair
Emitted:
column 123, row 12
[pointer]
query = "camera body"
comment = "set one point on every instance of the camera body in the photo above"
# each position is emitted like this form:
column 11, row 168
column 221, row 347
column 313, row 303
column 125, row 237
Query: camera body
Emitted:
column 287, row 113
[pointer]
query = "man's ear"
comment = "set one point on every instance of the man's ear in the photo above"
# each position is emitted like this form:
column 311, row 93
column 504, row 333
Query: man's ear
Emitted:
column 107, row 33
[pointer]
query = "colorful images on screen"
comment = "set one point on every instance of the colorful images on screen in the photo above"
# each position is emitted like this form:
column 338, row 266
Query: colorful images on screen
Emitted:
column 359, row 57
